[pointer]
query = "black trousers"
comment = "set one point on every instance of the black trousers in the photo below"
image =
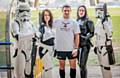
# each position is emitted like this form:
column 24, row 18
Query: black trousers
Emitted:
column 82, row 60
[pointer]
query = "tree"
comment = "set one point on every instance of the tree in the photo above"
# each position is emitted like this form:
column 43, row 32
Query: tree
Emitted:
column 97, row 1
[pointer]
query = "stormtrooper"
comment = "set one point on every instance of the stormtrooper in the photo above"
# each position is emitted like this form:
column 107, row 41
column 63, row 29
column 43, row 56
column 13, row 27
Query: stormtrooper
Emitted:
column 103, row 33
column 23, row 32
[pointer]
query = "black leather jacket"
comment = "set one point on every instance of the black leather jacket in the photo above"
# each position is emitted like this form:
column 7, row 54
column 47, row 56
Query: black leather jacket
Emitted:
column 87, row 31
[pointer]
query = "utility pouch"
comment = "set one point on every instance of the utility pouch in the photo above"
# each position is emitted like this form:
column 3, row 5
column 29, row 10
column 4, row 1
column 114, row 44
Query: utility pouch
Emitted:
column 111, row 56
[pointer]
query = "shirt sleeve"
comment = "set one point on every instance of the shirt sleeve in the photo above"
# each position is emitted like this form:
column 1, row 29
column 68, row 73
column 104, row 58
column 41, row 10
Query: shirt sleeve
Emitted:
column 76, row 28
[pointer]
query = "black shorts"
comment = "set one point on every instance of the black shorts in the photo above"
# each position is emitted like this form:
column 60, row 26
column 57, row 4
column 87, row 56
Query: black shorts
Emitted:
column 62, row 55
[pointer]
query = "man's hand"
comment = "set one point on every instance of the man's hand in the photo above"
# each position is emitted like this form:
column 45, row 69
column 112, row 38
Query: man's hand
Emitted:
column 95, row 50
column 74, row 52
column 17, row 37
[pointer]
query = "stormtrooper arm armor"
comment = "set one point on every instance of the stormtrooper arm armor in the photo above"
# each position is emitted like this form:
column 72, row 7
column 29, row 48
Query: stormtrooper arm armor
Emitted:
column 37, row 33
column 15, row 29
column 108, row 28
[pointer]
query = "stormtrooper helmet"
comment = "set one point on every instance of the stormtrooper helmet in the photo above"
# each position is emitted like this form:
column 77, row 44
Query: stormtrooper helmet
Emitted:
column 23, row 12
column 101, row 10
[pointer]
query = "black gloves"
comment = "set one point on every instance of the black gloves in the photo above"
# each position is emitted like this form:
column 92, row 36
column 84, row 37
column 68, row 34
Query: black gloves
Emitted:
column 55, row 53
column 95, row 50
column 34, row 39
column 16, row 37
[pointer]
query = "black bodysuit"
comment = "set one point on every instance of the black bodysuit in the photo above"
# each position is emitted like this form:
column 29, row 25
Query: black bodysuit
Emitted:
column 87, row 32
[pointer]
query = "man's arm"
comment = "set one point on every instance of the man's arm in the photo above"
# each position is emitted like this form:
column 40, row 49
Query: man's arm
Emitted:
column 76, row 42
column 76, row 34
column 76, row 38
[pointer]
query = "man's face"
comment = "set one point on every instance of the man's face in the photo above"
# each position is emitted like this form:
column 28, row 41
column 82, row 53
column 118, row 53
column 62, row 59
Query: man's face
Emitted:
column 66, row 12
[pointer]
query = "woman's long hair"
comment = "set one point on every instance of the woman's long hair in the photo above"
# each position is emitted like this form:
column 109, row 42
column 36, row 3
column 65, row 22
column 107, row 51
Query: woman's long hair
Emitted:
column 85, row 16
column 51, row 17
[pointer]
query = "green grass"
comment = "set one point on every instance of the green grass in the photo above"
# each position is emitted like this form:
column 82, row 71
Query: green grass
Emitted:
column 116, row 30
column 2, row 36
column 93, row 59
column 2, row 25
column 117, row 57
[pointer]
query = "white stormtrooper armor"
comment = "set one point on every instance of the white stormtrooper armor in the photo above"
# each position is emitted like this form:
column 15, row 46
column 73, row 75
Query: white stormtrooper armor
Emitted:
column 101, row 10
column 23, row 32
column 103, row 33
column 45, row 50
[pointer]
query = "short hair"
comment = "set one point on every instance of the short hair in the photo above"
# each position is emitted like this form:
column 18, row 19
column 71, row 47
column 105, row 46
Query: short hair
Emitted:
column 66, row 6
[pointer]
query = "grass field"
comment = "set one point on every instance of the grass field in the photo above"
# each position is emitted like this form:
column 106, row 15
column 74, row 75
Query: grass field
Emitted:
column 2, row 25
column 115, row 15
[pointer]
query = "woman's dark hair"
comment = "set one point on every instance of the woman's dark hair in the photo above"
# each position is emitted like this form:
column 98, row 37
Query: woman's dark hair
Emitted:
column 85, row 16
column 51, row 17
